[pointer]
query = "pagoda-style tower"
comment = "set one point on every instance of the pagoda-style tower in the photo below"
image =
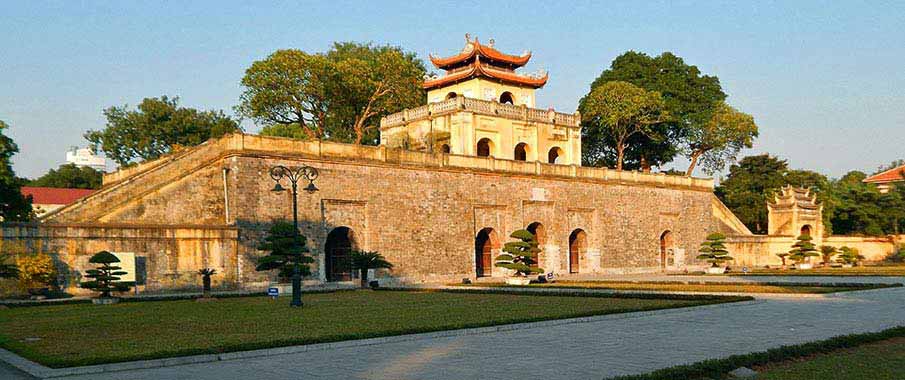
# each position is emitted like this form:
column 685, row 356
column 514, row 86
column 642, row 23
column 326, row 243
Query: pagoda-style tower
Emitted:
column 795, row 211
column 482, row 107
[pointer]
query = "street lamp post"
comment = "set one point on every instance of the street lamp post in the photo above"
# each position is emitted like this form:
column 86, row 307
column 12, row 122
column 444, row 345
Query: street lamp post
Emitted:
column 293, row 175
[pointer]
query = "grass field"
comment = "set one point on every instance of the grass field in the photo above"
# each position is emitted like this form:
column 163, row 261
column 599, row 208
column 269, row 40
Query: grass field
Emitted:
column 83, row 334
column 875, row 361
column 878, row 270
column 724, row 287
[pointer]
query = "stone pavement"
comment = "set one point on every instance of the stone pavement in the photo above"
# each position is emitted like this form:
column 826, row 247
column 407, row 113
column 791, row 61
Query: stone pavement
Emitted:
column 592, row 350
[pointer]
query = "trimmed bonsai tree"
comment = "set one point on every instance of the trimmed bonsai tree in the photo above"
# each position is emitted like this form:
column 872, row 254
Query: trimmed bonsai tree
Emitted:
column 206, row 274
column 520, row 255
column 105, row 279
column 849, row 256
column 287, row 249
column 364, row 260
column 827, row 252
column 783, row 256
column 8, row 268
column 802, row 250
column 713, row 250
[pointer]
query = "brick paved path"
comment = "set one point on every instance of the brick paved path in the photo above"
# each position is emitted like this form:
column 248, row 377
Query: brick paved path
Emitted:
column 591, row 350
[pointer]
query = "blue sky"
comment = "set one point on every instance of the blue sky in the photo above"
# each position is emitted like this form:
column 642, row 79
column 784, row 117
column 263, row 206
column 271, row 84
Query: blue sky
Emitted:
column 824, row 80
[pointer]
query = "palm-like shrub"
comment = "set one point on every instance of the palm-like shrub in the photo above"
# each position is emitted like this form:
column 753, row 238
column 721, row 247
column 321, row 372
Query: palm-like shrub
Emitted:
column 713, row 250
column 105, row 278
column 8, row 267
column 364, row 260
column 827, row 252
column 783, row 256
column 520, row 255
column 849, row 256
column 802, row 250
column 287, row 249
column 206, row 274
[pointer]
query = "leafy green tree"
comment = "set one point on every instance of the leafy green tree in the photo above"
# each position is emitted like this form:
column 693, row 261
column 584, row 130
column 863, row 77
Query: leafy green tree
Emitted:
column 36, row 270
column 802, row 249
column 783, row 256
column 364, row 260
column 720, row 139
column 155, row 128
column 713, row 250
column 750, row 183
column 287, row 248
column 71, row 176
column 13, row 205
column 689, row 97
column 858, row 207
column 849, row 256
column 621, row 110
column 827, row 252
column 339, row 95
column 105, row 278
column 520, row 255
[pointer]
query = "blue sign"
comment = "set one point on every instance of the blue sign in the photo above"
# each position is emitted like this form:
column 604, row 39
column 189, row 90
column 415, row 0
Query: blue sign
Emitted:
column 273, row 292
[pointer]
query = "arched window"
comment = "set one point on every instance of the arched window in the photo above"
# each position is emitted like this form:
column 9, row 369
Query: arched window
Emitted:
column 521, row 152
column 667, row 250
column 485, row 147
column 540, row 235
column 484, row 245
column 578, row 243
column 445, row 148
column 554, row 155
column 506, row 98
column 806, row 230
column 451, row 95
column 339, row 246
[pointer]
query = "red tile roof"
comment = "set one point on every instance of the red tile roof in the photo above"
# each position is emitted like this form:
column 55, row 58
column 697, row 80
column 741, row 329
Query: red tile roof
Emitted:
column 476, row 49
column 891, row 175
column 477, row 69
column 55, row 196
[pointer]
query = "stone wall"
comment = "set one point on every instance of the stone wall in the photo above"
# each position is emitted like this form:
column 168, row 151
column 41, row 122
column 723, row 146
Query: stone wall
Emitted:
column 761, row 250
column 167, row 256
column 422, row 211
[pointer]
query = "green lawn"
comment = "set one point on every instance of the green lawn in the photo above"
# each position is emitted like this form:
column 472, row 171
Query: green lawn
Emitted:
column 874, row 361
column 874, row 270
column 724, row 287
column 82, row 334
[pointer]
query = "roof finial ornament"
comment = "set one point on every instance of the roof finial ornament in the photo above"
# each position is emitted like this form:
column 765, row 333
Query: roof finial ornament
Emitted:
column 490, row 42
column 467, row 38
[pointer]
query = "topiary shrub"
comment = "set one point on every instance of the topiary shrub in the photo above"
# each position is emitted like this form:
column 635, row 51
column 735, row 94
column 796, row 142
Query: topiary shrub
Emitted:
column 783, row 256
column 287, row 247
column 105, row 278
column 802, row 250
column 713, row 250
column 827, row 252
column 520, row 255
column 849, row 256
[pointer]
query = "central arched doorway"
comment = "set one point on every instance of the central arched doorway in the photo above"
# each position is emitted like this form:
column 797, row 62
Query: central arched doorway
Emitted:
column 578, row 242
column 806, row 230
column 667, row 256
column 339, row 246
column 540, row 234
column 484, row 244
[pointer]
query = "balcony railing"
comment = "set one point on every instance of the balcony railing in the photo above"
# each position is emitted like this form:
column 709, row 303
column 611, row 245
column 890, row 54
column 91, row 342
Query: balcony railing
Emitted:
column 483, row 107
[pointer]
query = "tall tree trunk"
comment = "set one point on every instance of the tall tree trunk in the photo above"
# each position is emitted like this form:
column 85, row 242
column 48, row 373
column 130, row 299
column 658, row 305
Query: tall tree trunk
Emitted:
column 694, row 162
column 620, row 154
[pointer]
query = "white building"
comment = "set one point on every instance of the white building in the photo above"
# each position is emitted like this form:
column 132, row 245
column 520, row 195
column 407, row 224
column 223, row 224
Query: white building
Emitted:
column 84, row 157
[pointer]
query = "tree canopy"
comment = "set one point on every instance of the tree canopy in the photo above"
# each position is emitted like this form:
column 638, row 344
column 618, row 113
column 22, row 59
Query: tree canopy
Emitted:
column 155, row 128
column 720, row 139
column 749, row 184
column 621, row 110
column 70, row 176
column 339, row 95
column 13, row 205
column 689, row 96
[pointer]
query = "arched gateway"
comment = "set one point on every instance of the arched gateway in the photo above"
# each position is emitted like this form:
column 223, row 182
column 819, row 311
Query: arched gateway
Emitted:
column 578, row 242
column 667, row 255
column 484, row 244
column 339, row 246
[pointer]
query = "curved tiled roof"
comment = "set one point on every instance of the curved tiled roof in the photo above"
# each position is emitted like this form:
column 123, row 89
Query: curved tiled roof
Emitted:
column 55, row 196
column 477, row 69
column 478, row 50
column 891, row 175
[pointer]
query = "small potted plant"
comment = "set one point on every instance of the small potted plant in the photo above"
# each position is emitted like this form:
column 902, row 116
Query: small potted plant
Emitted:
column 365, row 260
column 713, row 250
column 206, row 274
column 520, row 257
column 802, row 251
column 849, row 257
column 105, row 278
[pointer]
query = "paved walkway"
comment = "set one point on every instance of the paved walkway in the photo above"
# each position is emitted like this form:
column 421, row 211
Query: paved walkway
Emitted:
column 592, row 350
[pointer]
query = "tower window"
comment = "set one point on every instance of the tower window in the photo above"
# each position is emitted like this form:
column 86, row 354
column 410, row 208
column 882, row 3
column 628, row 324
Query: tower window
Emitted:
column 506, row 98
